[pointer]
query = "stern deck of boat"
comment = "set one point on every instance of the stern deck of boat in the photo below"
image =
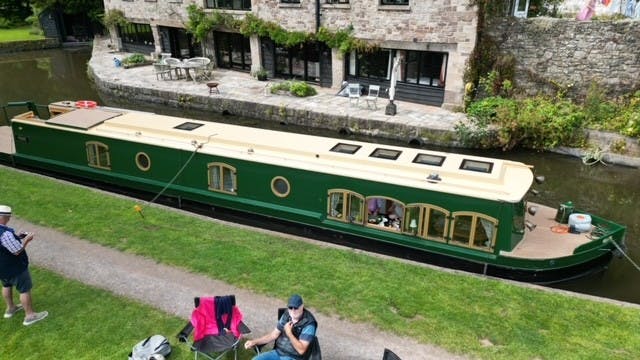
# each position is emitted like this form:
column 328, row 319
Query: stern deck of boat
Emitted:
column 545, row 243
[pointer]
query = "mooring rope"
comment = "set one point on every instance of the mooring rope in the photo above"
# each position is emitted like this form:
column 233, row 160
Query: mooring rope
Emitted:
column 593, row 157
column 623, row 253
column 198, row 146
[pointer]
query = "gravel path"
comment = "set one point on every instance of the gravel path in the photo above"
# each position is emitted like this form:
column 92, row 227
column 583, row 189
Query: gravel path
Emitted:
column 107, row 269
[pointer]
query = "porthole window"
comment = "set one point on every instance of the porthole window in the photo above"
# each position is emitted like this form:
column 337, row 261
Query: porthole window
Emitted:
column 143, row 161
column 280, row 186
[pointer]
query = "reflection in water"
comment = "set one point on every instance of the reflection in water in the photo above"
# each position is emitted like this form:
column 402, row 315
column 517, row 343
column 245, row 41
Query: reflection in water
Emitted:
column 610, row 191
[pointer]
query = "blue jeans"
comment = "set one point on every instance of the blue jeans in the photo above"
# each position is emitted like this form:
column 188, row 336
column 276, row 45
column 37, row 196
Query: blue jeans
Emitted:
column 272, row 355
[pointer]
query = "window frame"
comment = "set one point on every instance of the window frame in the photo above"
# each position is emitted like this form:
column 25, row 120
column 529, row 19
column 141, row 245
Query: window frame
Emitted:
column 221, row 171
column 98, row 154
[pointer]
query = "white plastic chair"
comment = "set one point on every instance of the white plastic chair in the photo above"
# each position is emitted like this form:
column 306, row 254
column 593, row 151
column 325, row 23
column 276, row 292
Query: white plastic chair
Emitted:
column 372, row 96
column 354, row 93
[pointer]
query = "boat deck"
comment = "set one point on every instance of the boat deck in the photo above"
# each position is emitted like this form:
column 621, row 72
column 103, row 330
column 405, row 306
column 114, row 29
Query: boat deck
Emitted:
column 6, row 140
column 543, row 242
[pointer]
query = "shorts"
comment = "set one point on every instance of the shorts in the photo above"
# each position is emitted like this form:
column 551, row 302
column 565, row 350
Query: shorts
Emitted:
column 22, row 282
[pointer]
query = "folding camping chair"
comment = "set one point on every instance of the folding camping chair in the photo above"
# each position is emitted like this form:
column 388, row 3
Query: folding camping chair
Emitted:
column 313, row 351
column 216, row 323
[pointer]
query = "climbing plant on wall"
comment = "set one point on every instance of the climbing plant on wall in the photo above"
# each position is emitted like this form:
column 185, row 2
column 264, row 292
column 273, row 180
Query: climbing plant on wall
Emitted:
column 200, row 24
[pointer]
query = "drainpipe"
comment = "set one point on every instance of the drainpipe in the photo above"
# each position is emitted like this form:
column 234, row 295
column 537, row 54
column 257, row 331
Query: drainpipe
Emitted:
column 317, row 15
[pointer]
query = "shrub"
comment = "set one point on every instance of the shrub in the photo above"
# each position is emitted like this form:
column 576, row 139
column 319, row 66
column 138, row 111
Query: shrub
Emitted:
column 134, row 59
column 295, row 88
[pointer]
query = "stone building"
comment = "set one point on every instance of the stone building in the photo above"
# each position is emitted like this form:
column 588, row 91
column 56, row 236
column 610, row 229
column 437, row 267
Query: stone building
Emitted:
column 432, row 39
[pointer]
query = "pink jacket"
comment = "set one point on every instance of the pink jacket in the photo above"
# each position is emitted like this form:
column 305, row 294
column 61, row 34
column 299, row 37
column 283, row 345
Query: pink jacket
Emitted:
column 203, row 319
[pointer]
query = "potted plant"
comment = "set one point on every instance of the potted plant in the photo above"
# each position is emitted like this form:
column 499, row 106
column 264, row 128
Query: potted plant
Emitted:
column 261, row 74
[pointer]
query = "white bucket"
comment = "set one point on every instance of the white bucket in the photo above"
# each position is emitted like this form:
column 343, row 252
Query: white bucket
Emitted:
column 580, row 222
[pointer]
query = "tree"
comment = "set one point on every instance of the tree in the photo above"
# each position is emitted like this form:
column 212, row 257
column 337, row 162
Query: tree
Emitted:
column 13, row 12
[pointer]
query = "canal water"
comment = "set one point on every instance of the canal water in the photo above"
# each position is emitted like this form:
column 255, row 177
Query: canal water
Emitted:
column 607, row 190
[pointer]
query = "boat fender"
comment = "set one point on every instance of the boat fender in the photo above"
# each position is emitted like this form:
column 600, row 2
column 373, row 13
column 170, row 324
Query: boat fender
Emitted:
column 580, row 222
column 86, row 104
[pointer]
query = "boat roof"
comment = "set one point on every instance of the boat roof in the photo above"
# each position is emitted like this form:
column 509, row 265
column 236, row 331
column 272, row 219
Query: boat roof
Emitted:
column 466, row 175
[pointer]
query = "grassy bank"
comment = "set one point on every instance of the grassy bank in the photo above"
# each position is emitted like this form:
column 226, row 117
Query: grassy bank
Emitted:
column 19, row 34
column 480, row 317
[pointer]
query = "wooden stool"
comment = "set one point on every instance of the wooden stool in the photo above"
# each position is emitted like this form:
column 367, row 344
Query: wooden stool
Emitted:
column 213, row 87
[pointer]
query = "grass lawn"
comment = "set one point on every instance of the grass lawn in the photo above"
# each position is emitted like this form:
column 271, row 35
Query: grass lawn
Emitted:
column 85, row 323
column 459, row 313
column 18, row 34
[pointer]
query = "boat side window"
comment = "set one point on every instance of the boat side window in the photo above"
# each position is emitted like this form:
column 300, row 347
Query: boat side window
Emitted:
column 473, row 230
column 427, row 221
column 98, row 155
column 345, row 205
column 385, row 212
column 222, row 178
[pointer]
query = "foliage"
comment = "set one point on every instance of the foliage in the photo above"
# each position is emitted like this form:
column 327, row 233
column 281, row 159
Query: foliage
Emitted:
column 114, row 17
column 134, row 59
column 295, row 88
column 13, row 13
column 200, row 24
column 253, row 25
column 536, row 123
column 261, row 74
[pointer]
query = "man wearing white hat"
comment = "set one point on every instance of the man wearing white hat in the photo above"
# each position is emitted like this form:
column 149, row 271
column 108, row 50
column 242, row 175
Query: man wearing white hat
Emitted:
column 14, row 270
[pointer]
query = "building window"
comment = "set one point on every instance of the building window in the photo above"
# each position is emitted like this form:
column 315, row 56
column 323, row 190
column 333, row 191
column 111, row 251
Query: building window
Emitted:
column 137, row 34
column 98, row 155
column 290, row 1
column 222, row 178
column 425, row 68
column 233, row 51
column 337, row 1
column 229, row 4
column 301, row 63
column 394, row 2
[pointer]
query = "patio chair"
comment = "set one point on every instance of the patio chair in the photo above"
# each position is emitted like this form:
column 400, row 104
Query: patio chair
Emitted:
column 216, row 323
column 354, row 93
column 176, row 65
column 313, row 351
column 390, row 355
column 372, row 96
column 201, row 71
column 162, row 71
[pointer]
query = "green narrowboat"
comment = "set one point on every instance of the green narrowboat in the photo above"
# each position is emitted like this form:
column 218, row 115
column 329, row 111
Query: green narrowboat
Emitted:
column 462, row 211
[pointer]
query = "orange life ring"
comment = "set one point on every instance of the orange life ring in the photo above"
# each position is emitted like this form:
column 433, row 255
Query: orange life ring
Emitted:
column 86, row 104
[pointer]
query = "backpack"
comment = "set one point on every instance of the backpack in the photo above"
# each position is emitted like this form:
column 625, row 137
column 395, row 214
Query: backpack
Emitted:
column 156, row 344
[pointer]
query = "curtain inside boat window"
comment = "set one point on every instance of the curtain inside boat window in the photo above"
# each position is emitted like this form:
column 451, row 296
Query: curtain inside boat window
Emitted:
column 98, row 155
column 473, row 230
column 222, row 178
column 385, row 213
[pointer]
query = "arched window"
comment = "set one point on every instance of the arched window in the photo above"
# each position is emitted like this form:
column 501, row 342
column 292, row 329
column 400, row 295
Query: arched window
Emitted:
column 222, row 178
column 427, row 221
column 473, row 230
column 384, row 212
column 345, row 205
column 98, row 155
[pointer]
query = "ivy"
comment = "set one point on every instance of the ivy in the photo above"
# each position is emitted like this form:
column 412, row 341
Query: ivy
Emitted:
column 114, row 17
column 200, row 24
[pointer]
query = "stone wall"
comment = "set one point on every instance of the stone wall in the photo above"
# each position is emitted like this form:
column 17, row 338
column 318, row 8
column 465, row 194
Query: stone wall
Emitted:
column 572, row 54
column 17, row 46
